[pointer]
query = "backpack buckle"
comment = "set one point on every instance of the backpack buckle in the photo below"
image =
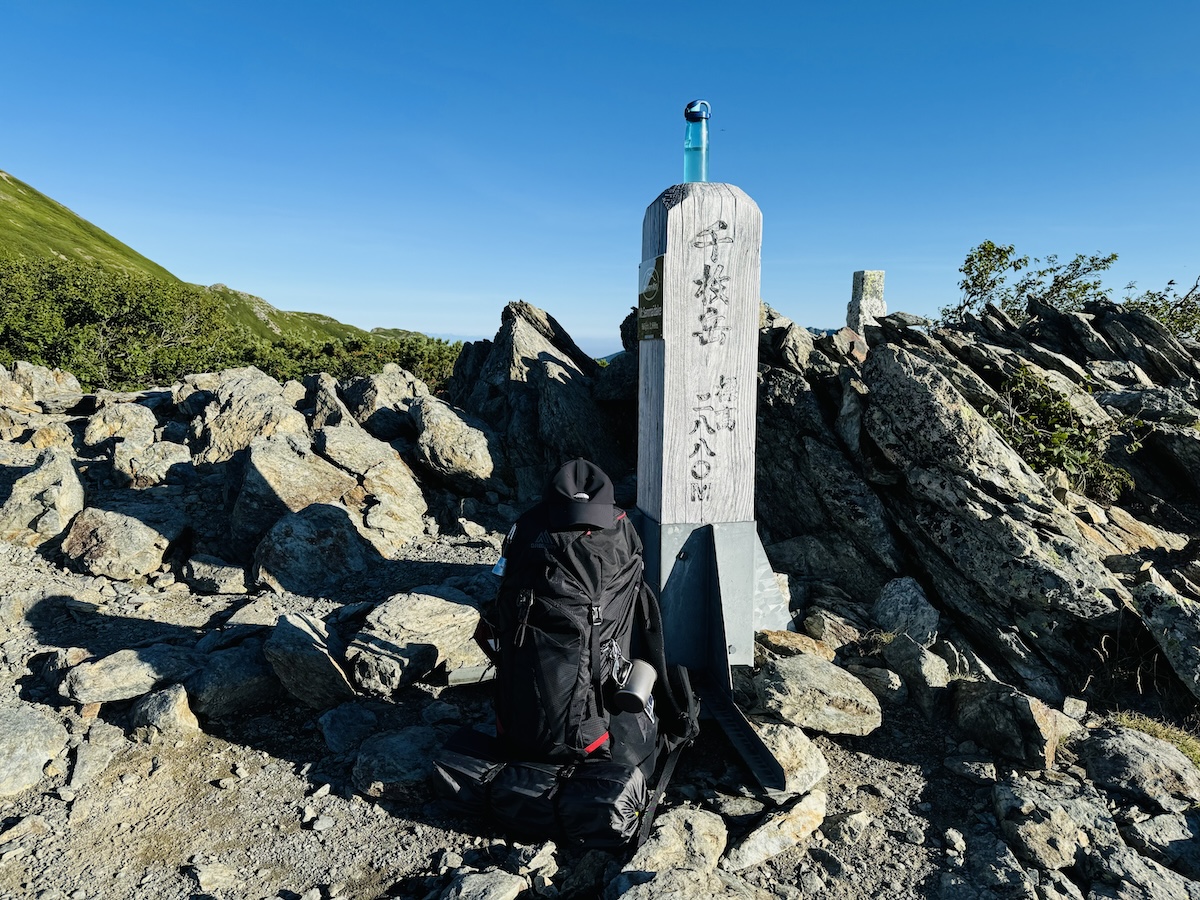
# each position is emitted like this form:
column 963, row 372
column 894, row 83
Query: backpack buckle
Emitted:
column 596, row 617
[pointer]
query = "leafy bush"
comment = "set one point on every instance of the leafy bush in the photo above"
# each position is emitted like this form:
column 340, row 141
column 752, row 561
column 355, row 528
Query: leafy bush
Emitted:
column 1065, row 286
column 1180, row 313
column 1040, row 424
column 125, row 332
column 109, row 329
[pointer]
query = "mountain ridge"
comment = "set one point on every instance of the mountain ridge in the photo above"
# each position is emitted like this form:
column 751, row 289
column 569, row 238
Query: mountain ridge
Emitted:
column 34, row 224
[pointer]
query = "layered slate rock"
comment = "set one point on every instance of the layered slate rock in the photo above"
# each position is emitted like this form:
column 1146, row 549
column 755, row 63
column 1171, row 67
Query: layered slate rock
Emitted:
column 534, row 385
column 782, row 830
column 1141, row 769
column 304, row 654
column 1001, row 551
column 1174, row 623
column 817, row 515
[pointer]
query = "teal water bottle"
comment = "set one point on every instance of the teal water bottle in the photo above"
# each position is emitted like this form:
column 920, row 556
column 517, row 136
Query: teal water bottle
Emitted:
column 695, row 141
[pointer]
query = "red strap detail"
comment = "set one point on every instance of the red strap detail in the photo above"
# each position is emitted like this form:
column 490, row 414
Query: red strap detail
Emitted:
column 596, row 744
column 620, row 517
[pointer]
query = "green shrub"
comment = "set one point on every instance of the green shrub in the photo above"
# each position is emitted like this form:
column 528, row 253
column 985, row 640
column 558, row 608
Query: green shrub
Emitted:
column 1040, row 424
column 1064, row 286
column 125, row 332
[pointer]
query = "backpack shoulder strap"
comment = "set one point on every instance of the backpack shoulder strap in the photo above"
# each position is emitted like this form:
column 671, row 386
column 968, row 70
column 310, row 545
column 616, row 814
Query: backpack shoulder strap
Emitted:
column 678, row 709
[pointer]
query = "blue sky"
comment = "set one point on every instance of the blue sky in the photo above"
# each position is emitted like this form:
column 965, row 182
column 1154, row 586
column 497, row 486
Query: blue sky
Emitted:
column 397, row 164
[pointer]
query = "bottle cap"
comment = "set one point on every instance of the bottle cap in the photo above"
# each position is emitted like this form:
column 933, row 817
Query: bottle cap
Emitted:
column 697, row 110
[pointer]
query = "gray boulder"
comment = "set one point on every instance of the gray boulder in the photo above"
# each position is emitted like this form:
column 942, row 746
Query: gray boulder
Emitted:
column 167, row 710
column 233, row 681
column 282, row 475
column 390, row 504
column 47, row 386
column 312, row 552
column 213, row 575
column 534, row 385
column 782, row 830
column 1141, row 769
column 124, row 543
column 305, row 655
column 1006, row 721
column 804, row 765
column 129, row 673
column 903, row 609
column 143, row 466
column 29, row 738
column 491, row 884
column 456, row 447
column 1052, row 820
column 129, row 423
column 1171, row 839
column 397, row 764
column 380, row 402
column 408, row 635
column 686, row 839
column 327, row 406
column 42, row 500
column 246, row 404
column 810, row 692
column 924, row 672
column 345, row 727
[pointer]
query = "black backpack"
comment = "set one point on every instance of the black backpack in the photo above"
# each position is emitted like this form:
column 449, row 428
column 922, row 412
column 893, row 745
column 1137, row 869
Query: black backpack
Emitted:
column 571, row 616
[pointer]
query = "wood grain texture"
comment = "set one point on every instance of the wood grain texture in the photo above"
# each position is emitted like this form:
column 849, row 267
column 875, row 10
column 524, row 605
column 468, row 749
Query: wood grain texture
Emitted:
column 698, row 384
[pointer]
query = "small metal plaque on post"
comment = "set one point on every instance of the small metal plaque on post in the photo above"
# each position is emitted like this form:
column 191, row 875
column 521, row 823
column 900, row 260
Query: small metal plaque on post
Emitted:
column 650, row 300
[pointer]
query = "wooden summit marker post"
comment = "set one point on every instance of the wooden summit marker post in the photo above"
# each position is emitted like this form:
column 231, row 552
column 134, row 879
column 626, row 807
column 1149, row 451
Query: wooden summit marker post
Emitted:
column 698, row 317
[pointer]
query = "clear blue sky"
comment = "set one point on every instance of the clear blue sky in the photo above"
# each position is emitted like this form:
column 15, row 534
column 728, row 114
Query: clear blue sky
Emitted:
column 419, row 165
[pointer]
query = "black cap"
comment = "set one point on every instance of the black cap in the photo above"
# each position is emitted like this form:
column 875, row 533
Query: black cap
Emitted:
column 697, row 110
column 580, row 494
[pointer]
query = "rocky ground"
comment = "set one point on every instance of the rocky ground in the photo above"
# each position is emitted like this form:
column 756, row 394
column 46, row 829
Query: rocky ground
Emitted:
column 259, row 805
column 236, row 618
column 263, row 809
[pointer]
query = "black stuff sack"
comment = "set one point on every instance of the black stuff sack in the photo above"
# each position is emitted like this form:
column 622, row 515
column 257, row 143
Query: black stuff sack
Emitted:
column 596, row 803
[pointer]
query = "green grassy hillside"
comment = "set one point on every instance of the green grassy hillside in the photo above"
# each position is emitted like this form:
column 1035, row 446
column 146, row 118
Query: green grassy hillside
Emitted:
column 265, row 321
column 33, row 225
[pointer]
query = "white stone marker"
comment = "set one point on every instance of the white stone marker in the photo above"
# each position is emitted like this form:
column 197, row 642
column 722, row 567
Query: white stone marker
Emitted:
column 866, row 300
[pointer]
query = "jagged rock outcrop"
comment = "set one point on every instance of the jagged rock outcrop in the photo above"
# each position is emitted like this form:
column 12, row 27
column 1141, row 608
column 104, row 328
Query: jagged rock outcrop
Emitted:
column 535, row 386
column 938, row 580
